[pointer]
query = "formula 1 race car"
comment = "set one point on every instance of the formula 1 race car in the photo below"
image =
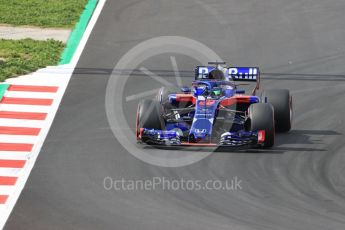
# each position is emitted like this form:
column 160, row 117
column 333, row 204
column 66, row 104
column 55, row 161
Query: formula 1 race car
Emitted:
column 215, row 112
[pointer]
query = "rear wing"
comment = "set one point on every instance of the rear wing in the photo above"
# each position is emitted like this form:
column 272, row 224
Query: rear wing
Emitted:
column 231, row 73
column 244, row 73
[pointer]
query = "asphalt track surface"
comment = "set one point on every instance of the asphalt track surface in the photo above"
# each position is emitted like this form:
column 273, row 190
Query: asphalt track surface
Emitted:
column 299, row 184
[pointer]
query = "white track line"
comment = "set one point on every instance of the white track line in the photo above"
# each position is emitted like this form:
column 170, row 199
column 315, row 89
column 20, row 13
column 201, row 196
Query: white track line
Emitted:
column 6, row 189
column 18, row 139
column 22, row 123
column 33, row 80
column 30, row 94
column 24, row 108
column 87, row 32
column 14, row 155
column 10, row 172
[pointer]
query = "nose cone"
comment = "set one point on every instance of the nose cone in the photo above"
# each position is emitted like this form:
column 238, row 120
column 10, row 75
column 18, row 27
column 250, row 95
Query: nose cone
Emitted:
column 201, row 129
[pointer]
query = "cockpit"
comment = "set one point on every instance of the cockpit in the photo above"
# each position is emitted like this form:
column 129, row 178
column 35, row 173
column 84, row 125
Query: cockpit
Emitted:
column 214, row 89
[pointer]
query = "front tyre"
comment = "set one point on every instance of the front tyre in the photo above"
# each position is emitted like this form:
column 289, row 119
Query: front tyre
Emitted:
column 148, row 116
column 261, row 117
column 281, row 101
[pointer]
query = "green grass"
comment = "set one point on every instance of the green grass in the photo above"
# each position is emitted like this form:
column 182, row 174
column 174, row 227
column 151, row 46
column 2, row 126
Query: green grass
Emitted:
column 19, row 57
column 42, row 13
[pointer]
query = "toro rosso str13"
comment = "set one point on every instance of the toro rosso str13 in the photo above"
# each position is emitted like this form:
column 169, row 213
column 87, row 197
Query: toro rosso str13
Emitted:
column 215, row 112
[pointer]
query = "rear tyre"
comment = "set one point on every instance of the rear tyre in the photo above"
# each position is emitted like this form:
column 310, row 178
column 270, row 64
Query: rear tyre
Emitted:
column 262, row 118
column 148, row 116
column 281, row 101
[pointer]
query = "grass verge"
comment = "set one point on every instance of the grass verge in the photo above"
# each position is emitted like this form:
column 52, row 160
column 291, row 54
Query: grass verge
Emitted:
column 42, row 13
column 19, row 57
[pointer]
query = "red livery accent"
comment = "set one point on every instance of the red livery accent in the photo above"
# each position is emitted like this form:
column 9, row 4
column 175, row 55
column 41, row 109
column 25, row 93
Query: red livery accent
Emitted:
column 208, row 102
column 261, row 136
column 136, row 124
column 185, row 98
column 141, row 132
column 234, row 100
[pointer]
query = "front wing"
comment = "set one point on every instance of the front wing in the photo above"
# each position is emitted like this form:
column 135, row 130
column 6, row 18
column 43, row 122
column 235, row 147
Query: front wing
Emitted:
column 228, row 139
